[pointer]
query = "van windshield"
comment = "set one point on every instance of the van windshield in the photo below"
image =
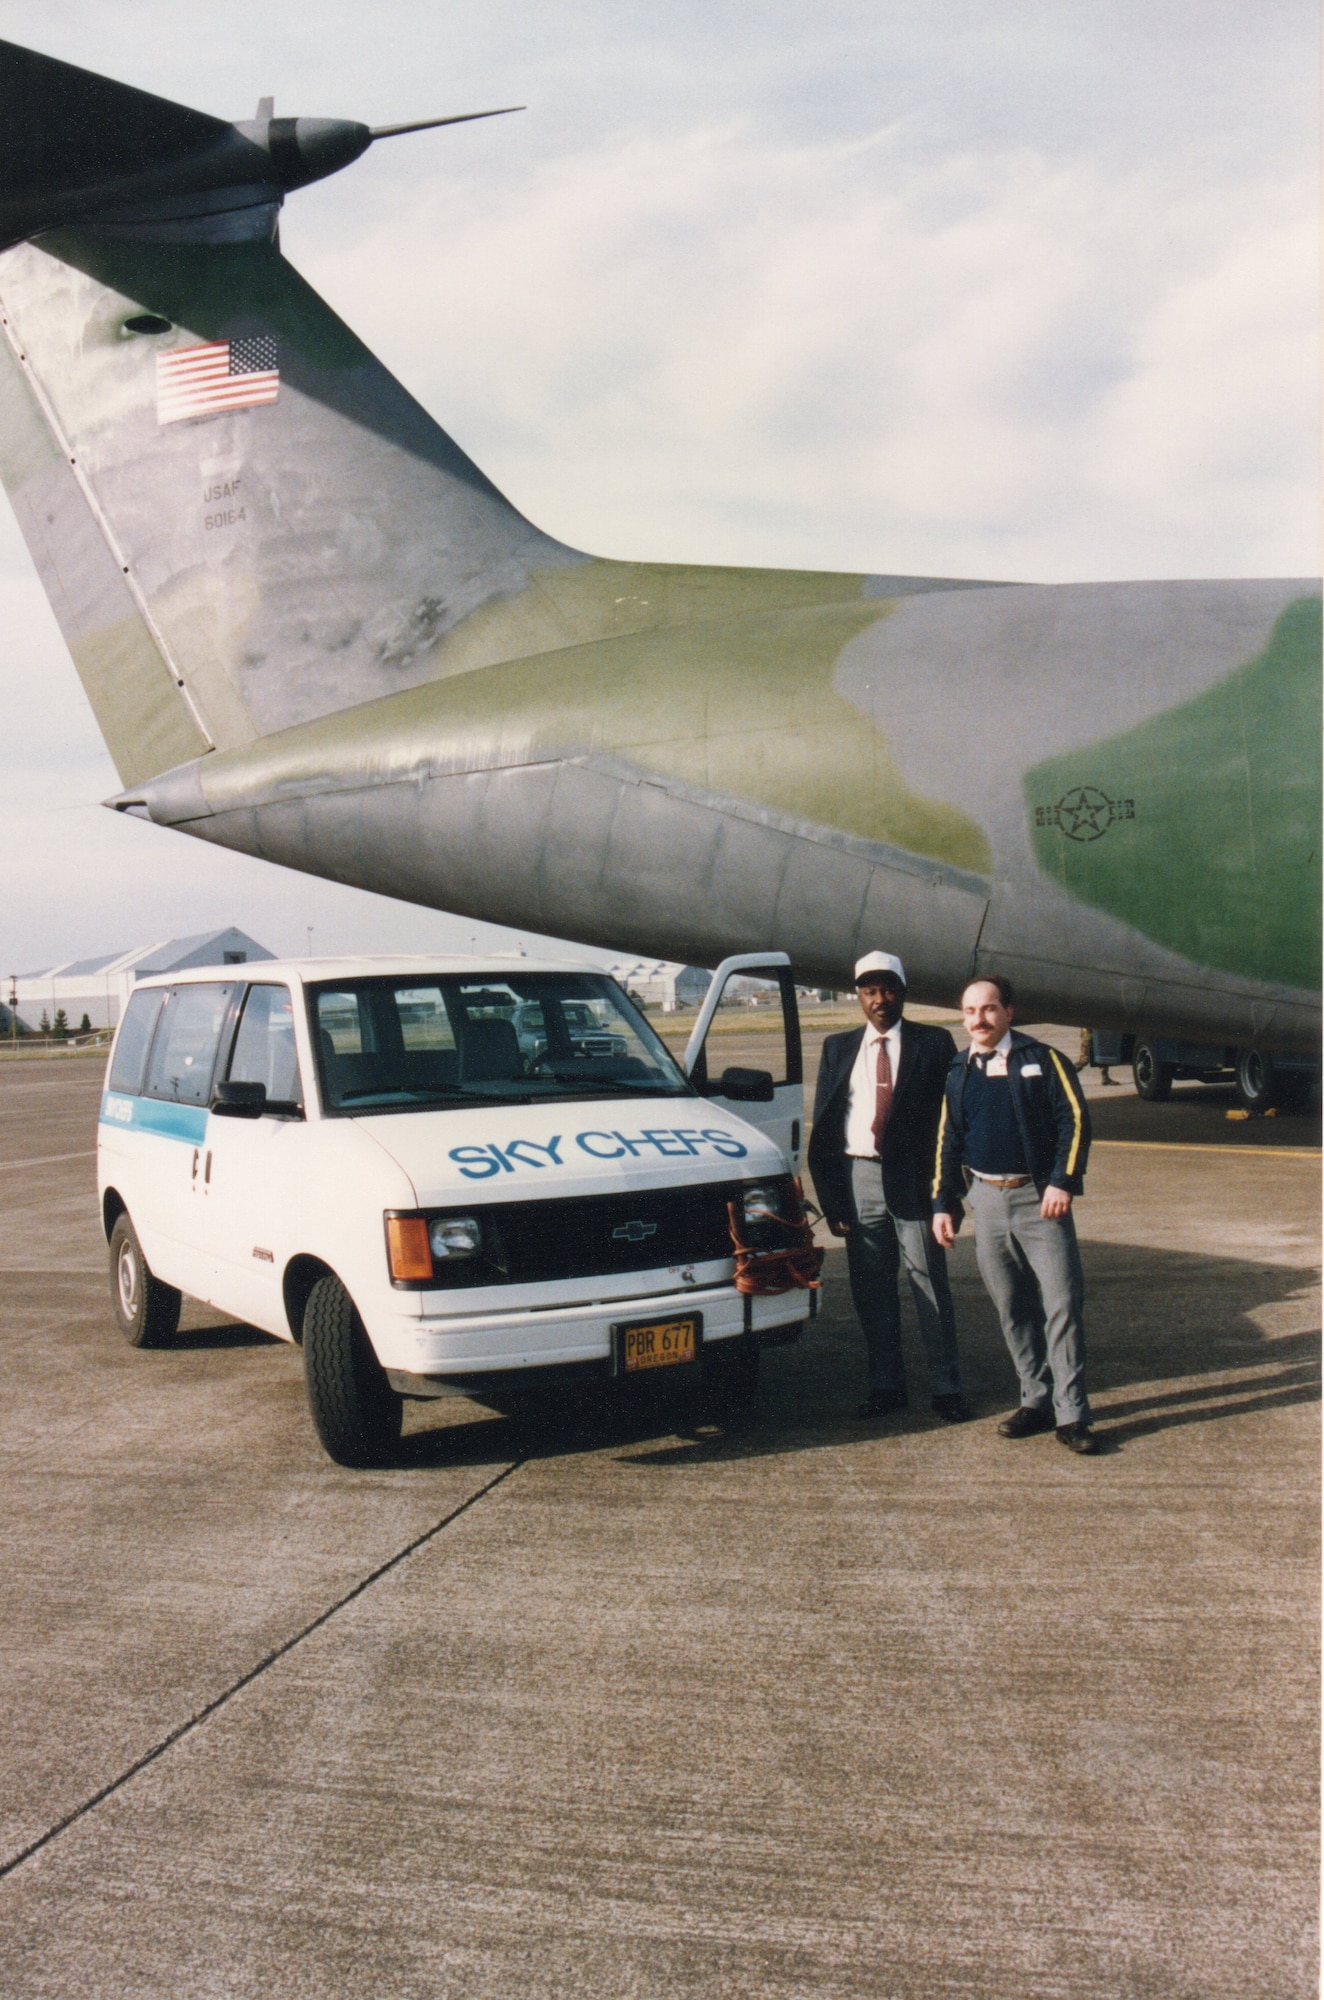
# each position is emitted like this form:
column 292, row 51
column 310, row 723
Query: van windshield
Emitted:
column 414, row 1043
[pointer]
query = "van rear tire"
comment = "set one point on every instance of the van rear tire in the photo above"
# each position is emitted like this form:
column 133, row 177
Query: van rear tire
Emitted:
column 356, row 1413
column 146, row 1311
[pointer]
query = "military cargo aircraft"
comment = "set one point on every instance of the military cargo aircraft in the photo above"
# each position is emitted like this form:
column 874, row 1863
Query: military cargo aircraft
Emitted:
column 312, row 630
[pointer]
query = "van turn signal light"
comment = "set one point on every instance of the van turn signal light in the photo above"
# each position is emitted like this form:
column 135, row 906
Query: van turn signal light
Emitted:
column 407, row 1247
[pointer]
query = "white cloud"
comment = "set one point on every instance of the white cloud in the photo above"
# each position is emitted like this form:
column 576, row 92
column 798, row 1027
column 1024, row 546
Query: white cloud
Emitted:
column 710, row 347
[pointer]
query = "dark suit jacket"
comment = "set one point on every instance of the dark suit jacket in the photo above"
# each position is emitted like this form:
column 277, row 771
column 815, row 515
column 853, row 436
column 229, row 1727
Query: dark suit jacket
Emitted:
column 911, row 1141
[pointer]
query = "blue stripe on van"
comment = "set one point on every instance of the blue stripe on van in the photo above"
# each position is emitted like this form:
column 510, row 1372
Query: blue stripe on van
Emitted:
column 152, row 1114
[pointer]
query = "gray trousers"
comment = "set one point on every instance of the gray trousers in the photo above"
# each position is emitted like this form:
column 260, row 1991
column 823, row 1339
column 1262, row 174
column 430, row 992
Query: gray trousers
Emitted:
column 877, row 1246
column 1033, row 1273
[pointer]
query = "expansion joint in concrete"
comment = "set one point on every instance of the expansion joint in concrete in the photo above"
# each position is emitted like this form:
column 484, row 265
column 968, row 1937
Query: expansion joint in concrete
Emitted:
column 218, row 1702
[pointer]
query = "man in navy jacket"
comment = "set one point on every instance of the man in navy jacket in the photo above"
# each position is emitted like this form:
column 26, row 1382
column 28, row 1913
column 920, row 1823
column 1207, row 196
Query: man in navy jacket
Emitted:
column 871, row 1155
column 1015, row 1131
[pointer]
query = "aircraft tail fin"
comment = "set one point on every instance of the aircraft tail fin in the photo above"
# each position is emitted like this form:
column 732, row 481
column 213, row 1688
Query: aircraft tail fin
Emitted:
column 242, row 520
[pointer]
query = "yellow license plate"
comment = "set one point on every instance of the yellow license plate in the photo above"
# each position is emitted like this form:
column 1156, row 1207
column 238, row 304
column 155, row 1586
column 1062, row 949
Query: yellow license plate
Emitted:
column 660, row 1343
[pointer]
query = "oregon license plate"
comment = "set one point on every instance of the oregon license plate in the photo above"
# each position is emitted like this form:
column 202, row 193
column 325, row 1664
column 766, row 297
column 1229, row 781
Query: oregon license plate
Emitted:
column 656, row 1343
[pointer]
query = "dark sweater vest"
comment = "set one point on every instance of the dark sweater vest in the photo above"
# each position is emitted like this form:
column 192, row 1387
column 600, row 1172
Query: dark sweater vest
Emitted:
column 993, row 1142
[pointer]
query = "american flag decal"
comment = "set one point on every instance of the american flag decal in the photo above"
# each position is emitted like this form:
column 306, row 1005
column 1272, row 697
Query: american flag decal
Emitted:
column 225, row 375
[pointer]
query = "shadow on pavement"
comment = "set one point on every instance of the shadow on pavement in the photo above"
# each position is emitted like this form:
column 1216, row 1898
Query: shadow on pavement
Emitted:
column 1155, row 1317
column 1196, row 1115
column 221, row 1334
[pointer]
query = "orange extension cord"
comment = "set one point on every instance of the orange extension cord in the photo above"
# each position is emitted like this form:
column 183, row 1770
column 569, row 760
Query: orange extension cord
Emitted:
column 764, row 1273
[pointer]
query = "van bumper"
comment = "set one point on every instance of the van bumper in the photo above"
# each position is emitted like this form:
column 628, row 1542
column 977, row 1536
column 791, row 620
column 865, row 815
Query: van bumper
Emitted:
column 568, row 1336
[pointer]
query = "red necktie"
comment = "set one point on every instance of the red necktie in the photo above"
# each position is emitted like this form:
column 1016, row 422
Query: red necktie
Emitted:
column 882, row 1103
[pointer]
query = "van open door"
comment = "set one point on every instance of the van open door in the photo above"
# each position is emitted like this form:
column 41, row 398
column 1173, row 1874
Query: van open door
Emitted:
column 773, row 1099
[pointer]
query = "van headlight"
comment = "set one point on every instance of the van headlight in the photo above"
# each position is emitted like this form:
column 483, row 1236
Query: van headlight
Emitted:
column 452, row 1236
column 763, row 1201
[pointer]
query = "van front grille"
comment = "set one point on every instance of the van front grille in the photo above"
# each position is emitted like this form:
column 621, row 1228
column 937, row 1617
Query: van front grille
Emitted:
column 540, row 1242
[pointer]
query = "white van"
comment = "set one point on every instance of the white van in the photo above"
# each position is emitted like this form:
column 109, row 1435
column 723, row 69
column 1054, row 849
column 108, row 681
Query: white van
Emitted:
column 448, row 1175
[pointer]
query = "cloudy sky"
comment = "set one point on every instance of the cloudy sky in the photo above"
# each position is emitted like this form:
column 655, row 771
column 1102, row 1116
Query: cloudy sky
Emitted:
column 1003, row 288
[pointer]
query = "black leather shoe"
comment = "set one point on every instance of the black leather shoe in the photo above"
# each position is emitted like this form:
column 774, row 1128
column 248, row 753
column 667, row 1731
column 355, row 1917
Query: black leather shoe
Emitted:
column 1023, row 1423
column 1079, row 1438
column 952, row 1409
column 882, row 1406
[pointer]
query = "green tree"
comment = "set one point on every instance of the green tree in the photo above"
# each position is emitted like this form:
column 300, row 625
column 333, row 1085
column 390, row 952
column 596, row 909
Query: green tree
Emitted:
column 45, row 1022
column 85, row 1025
column 60, row 1029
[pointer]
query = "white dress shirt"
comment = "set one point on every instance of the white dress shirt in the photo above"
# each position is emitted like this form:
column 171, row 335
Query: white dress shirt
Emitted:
column 996, row 1065
column 864, row 1090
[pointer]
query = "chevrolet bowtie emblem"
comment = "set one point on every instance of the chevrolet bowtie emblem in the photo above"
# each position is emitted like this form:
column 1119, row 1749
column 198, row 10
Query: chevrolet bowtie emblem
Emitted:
column 633, row 1232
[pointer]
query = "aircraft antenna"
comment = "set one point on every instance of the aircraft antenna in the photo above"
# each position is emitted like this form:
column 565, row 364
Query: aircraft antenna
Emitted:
column 429, row 124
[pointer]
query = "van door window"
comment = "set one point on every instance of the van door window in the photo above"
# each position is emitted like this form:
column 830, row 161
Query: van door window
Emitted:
column 264, row 1050
column 134, row 1040
column 184, row 1049
column 767, row 1008
column 769, row 1027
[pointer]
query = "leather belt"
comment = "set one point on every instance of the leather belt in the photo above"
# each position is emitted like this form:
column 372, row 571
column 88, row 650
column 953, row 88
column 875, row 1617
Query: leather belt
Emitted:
column 1009, row 1181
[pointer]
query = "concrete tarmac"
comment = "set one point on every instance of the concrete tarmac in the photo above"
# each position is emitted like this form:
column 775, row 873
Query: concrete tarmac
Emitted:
column 633, row 1707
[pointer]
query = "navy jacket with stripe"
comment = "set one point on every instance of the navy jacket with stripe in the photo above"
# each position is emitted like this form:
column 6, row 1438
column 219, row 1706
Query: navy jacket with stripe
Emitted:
column 1051, row 1113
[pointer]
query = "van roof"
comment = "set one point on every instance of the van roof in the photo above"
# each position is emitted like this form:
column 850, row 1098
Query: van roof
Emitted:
column 310, row 971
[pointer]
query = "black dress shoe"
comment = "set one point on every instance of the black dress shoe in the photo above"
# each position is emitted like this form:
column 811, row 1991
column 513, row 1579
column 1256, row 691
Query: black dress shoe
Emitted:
column 952, row 1409
column 1079, row 1438
column 1023, row 1423
column 882, row 1406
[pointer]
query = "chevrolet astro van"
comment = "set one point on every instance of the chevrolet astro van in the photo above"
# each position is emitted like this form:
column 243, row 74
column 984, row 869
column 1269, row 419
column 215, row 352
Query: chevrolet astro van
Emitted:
column 450, row 1176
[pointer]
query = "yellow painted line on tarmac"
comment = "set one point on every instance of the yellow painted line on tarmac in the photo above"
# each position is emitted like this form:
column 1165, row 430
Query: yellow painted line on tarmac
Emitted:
column 1229, row 1151
column 47, row 1160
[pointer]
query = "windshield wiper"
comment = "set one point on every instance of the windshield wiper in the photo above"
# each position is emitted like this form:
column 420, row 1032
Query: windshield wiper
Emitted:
column 640, row 1089
column 402, row 1100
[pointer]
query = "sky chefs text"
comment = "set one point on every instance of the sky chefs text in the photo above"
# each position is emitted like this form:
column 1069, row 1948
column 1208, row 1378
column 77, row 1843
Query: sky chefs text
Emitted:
column 480, row 1163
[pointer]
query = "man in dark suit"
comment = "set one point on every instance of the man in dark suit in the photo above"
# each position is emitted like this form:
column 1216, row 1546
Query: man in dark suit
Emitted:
column 871, row 1153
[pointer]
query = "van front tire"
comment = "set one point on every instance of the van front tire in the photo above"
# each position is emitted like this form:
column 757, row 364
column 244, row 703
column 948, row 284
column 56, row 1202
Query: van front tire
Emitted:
column 356, row 1412
column 146, row 1311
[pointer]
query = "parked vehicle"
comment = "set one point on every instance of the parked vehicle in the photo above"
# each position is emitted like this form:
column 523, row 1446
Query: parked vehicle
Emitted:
column 587, row 1028
column 368, row 1157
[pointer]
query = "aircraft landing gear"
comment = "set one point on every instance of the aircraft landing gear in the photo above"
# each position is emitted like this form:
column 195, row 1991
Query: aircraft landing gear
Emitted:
column 1153, row 1077
column 1257, row 1082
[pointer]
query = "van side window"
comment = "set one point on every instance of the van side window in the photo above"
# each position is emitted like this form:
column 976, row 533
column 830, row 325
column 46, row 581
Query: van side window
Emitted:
column 133, row 1041
column 264, row 1050
column 184, row 1050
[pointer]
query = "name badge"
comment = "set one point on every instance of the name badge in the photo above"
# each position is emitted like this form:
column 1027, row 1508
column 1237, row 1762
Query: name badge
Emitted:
column 1032, row 1069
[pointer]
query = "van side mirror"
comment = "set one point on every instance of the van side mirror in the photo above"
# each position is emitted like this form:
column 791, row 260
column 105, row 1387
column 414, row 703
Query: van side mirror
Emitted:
column 239, row 1100
column 744, row 1086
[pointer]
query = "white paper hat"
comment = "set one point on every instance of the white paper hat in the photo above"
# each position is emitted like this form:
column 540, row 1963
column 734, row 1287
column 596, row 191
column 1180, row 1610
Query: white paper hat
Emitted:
column 879, row 961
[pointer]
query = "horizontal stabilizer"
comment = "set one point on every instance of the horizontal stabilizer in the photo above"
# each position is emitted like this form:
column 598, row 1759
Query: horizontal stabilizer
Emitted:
column 71, row 141
column 77, row 148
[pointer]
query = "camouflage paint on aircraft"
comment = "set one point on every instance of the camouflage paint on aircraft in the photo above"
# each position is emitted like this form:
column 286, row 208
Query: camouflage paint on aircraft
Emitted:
column 316, row 631
column 1200, row 827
